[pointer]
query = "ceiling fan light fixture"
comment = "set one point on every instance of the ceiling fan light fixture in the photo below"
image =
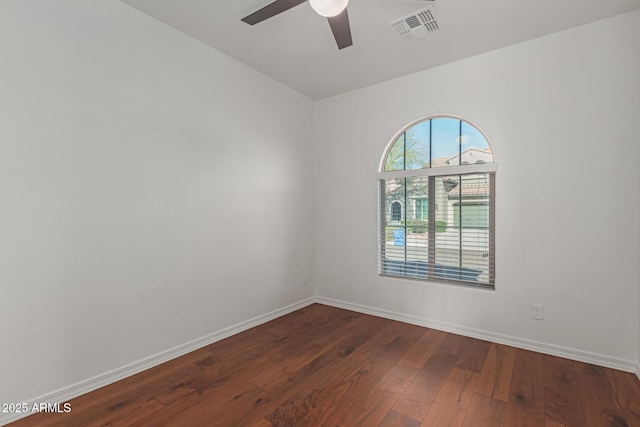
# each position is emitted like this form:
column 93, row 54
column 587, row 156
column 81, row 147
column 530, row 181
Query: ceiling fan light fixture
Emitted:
column 328, row 8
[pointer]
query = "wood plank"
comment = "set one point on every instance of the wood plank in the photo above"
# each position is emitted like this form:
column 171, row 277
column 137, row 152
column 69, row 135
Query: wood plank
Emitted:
column 473, row 354
column 202, row 409
column 294, row 410
column 598, row 398
column 300, row 353
column 218, row 372
column 132, row 415
column 562, row 392
column 367, row 375
column 347, row 357
column 366, row 337
column 242, row 367
column 626, row 388
column 292, row 401
column 325, row 401
column 484, row 412
column 454, row 345
column 495, row 378
column 236, row 350
column 374, row 405
column 242, row 398
column 298, row 323
column 368, row 410
column 550, row 423
column 423, row 390
column 296, row 388
column 525, row 407
column 380, row 341
column 452, row 403
column 395, row 419
column 122, row 395
column 423, row 349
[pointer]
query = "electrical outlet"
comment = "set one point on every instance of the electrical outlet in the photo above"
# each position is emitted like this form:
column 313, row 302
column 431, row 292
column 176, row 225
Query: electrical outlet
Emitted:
column 537, row 311
column 305, row 280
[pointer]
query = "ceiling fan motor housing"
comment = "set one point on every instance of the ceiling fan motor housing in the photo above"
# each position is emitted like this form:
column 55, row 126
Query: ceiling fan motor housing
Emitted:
column 328, row 8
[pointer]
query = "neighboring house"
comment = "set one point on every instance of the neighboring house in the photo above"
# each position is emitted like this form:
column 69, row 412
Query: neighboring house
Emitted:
column 471, row 204
column 468, row 204
column 469, row 156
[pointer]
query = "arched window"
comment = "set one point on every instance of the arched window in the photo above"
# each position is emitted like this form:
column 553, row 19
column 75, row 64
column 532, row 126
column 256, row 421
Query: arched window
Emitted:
column 442, row 170
column 396, row 211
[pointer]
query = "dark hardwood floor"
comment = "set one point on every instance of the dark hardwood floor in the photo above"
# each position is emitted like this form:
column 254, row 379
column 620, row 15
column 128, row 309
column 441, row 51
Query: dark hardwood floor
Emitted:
column 323, row 366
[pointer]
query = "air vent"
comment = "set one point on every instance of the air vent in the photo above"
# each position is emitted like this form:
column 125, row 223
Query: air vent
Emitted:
column 416, row 25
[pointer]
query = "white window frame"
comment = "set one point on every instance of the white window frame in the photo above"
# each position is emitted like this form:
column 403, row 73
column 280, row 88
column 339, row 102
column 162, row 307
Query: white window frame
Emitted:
column 439, row 171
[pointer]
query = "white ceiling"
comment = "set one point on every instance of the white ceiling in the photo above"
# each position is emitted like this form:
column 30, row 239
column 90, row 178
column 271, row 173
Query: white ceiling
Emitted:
column 297, row 47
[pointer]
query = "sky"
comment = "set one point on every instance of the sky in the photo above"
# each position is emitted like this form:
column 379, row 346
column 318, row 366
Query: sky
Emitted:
column 446, row 132
column 438, row 138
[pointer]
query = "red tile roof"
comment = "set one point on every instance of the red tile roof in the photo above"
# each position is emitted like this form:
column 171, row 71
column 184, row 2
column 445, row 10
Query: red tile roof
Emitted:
column 481, row 189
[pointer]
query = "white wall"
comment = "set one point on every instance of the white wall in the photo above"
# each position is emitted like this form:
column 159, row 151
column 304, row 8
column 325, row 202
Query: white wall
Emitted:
column 556, row 109
column 153, row 191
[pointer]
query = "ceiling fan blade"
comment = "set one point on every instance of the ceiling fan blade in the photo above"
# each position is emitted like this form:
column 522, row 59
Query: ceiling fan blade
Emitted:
column 341, row 29
column 271, row 10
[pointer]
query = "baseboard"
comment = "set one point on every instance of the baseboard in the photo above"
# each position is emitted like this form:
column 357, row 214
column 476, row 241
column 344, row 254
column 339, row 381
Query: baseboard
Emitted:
column 70, row 392
column 540, row 347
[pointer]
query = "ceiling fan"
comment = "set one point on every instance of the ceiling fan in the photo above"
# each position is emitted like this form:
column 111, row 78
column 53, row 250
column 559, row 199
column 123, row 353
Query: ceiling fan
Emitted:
column 334, row 10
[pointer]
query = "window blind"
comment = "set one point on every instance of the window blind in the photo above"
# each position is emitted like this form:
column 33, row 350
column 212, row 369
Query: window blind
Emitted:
column 444, row 231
